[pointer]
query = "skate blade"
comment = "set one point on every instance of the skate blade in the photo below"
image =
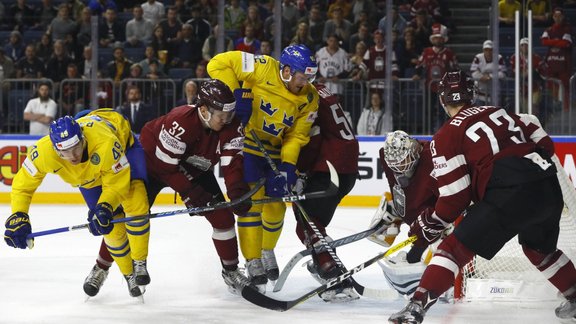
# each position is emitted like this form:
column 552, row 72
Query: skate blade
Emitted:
column 341, row 299
column 261, row 288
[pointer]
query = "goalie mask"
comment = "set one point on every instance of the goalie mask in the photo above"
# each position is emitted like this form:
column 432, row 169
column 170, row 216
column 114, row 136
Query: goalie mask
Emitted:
column 401, row 152
column 456, row 88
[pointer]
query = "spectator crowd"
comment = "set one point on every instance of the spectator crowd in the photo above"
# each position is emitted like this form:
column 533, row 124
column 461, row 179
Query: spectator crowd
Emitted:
column 174, row 39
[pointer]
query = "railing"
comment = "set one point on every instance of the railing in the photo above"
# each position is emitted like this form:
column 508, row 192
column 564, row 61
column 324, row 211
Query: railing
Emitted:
column 415, row 109
column 14, row 95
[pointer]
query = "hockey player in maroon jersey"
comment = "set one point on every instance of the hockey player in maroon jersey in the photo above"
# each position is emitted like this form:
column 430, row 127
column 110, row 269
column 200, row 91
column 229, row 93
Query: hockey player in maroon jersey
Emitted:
column 432, row 64
column 407, row 164
column 331, row 139
column 501, row 162
column 558, row 38
column 182, row 148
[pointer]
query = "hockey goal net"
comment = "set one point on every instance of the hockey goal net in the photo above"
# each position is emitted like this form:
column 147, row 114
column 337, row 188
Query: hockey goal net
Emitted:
column 509, row 276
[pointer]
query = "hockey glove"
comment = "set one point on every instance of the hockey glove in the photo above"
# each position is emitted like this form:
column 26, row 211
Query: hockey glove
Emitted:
column 386, row 234
column 99, row 219
column 244, row 98
column 197, row 196
column 17, row 228
column 428, row 227
column 300, row 184
column 280, row 185
column 235, row 193
column 288, row 170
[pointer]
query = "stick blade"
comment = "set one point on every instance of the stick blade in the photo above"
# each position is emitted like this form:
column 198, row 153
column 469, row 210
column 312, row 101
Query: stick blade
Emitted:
column 259, row 299
column 333, row 175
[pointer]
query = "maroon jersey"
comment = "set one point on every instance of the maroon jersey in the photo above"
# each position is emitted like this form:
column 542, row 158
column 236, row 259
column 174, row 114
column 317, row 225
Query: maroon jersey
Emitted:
column 179, row 148
column 558, row 38
column 435, row 62
column 412, row 196
column 375, row 63
column 331, row 139
column 465, row 148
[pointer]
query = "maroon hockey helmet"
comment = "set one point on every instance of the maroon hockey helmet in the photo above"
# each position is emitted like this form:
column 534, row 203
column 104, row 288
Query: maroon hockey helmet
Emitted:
column 216, row 95
column 456, row 88
column 218, row 98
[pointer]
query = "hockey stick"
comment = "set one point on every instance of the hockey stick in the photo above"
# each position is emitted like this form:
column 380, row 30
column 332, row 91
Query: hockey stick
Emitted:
column 334, row 244
column 305, row 218
column 255, row 297
column 193, row 210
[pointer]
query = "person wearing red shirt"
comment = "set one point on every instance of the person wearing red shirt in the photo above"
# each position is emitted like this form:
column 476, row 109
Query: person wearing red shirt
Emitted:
column 558, row 38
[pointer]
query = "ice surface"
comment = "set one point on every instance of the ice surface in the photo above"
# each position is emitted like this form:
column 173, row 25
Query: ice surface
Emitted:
column 44, row 285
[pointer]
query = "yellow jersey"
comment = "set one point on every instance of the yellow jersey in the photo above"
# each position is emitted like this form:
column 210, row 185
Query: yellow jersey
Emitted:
column 281, row 119
column 104, row 162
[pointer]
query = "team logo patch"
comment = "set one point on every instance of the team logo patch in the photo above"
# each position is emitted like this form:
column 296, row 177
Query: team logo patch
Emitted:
column 199, row 162
column 120, row 165
column 312, row 116
column 95, row 159
column 310, row 97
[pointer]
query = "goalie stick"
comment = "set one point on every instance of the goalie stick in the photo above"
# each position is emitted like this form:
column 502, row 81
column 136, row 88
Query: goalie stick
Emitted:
column 334, row 244
column 257, row 298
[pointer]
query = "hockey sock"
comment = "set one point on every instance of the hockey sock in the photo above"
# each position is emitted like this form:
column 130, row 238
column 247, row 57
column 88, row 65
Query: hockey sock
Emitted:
column 104, row 260
column 443, row 268
column 557, row 268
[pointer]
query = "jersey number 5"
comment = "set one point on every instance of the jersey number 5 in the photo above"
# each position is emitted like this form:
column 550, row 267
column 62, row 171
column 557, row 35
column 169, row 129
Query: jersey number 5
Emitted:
column 346, row 133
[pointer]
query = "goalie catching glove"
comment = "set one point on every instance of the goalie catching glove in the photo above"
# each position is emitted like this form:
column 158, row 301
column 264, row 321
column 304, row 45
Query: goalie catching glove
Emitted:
column 429, row 227
column 17, row 228
column 385, row 235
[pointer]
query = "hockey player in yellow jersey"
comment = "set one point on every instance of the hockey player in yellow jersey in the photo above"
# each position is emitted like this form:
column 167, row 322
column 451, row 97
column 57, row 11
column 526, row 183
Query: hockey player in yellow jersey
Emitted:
column 91, row 153
column 278, row 102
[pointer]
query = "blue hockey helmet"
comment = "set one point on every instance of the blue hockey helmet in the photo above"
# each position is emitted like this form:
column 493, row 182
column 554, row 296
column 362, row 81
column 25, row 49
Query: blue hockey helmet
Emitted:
column 300, row 59
column 65, row 133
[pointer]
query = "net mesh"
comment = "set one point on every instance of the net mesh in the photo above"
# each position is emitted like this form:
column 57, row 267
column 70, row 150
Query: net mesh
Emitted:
column 510, row 262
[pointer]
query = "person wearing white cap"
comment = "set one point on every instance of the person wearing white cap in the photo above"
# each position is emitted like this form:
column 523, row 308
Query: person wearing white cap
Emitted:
column 537, row 81
column 482, row 71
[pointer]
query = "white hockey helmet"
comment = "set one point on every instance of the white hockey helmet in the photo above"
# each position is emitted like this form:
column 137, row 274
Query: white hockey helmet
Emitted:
column 401, row 152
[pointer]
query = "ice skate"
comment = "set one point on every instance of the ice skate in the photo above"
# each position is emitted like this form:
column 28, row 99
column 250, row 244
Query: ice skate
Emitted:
column 413, row 313
column 311, row 267
column 141, row 276
column 94, row 281
column 566, row 310
column 133, row 288
column 341, row 293
column 236, row 280
column 256, row 274
column 270, row 264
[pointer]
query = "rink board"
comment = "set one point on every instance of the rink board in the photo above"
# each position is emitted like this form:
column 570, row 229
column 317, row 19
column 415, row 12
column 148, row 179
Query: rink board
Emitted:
column 371, row 184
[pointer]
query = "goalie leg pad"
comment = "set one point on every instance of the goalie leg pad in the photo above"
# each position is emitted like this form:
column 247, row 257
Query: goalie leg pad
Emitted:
column 401, row 275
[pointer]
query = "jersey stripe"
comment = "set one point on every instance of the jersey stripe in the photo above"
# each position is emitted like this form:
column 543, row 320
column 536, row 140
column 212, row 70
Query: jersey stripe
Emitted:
column 165, row 157
column 455, row 187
